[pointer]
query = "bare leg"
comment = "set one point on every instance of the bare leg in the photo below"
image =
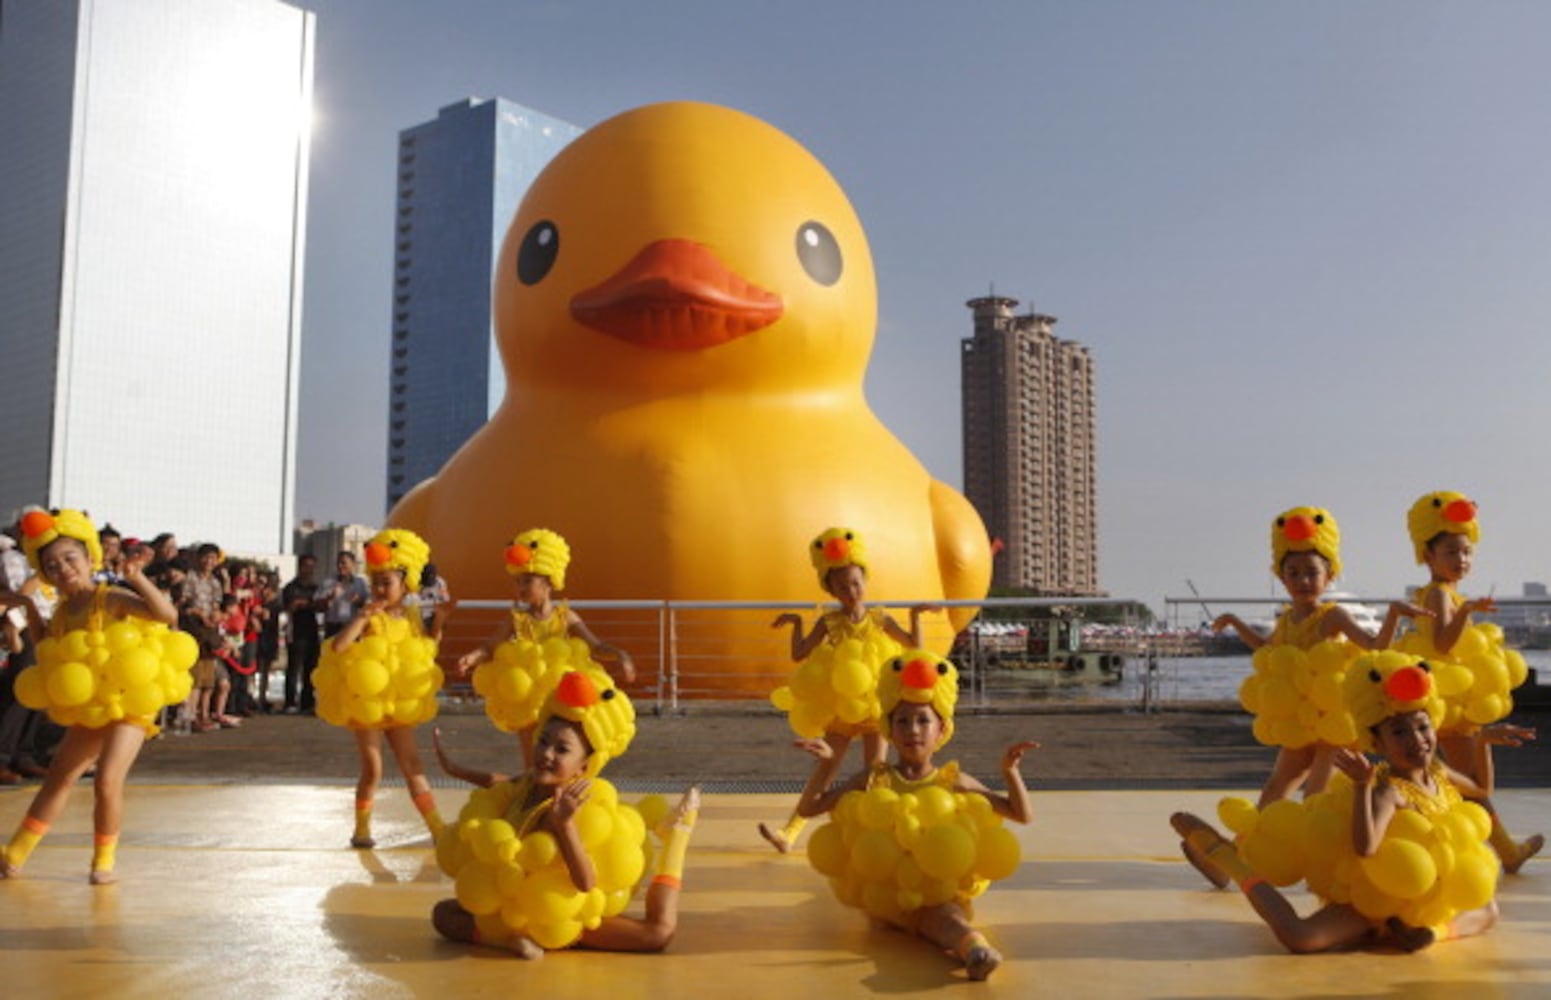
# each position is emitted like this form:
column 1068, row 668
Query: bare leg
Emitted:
column 455, row 923
column 947, row 927
column 402, row 741
column 1320, row 770
column 120, row 749
column 368, row 743
column 662, row 897
column 76, row 754
column 1338, row 925
column 875, row 749
column 1290, row 771
column 785, row 837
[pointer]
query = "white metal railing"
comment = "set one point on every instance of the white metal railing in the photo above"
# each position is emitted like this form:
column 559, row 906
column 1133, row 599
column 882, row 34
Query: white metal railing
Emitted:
column 727, row 650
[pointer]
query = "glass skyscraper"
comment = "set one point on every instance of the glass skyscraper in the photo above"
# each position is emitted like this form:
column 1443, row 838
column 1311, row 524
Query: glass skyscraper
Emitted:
column 460, row 178
column 151, row 245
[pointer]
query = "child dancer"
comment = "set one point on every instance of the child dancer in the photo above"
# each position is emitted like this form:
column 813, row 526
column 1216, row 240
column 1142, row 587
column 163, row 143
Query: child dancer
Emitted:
column 108, row 722
column 1444, row 532
column 833, row 692
column 573, row 850
column 527, row 658
column 1306, row 556
column 378, row 677
column 917, row 818
column 1375, row 891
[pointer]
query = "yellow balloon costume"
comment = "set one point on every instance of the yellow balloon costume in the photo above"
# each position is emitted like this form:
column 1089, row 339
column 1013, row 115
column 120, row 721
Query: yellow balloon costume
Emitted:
column 685, row 302
column 836, row 687
column 389, row 677
column 1295, row 689
column 509, row 872
column 1433, row 862
column 902, row 845
column 523, row 670
column 1476, row 677
column 104, row 673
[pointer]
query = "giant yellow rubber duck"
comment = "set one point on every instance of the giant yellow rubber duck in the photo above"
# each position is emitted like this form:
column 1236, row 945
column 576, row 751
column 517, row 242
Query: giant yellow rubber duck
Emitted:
column 685, row 306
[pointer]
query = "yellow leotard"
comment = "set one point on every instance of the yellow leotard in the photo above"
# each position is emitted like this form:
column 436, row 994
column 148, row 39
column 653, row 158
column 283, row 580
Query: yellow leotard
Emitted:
column 1303, row 635
column 1476, row 677
column 1295, row 689
column 531, row 629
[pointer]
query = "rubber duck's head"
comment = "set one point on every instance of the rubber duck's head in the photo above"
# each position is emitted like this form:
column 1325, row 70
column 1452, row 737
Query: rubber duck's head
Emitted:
column 1306, row 529
column 834, row 548
column 1385, row 683
column 922, row 678
column 41, row 528
column 400, row 549
column 590, row 699
column 685, row 247
column 1441, row 513
column 541, row 551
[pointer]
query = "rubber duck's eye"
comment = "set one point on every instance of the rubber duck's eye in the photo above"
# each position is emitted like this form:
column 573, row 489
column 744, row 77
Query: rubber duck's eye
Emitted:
column 1281, row 522
column 537, row 254
column 1375, row 677
column 819, row 253
column 1319, row 518
column 1424, row 666
column 897, row 665
column 942, row 670
column 1437, row 501
column 608, row 694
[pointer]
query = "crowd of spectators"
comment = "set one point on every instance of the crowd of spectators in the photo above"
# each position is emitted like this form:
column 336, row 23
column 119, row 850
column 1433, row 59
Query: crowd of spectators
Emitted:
column 246, row 623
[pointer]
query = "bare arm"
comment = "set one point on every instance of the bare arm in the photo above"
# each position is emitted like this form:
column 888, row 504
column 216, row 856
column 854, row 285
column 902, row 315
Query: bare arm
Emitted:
column 601, row 649
column 1397, row 610
column 1015, row 805
column 817, row 797
column 1451, row 621
column 484, row 779
column 1251, row 638
column 479, row 654
column 561, row 823
column 912, row 638
column 356, row 627
column 146, row 601
column 1372, row 809
column 802, row 645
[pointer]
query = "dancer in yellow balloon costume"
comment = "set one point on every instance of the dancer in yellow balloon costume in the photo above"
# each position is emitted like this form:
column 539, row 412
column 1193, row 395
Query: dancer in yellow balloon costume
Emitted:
column 834, row 693
column 552, row 858
column 109, row 663
column 541, row 641
column 913, row 843
column 378, row 678
column 1394, row 851
column 1475, row 672
column 1295, row 690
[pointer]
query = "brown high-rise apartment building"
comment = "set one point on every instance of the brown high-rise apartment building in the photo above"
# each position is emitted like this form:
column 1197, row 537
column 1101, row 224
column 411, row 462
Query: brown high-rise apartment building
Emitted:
column 1029, row 450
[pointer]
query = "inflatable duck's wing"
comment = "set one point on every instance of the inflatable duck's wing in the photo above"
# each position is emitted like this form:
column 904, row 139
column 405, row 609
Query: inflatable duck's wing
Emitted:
column 963, row 550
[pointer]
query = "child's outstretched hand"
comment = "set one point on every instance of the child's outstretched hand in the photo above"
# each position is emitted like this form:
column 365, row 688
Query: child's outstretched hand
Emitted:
column 465, row 663
column 569, row 799
column 1223, row 621
column 1505, row 734
column 819, row 749
column 1355, row 766
column 1407, row 610
column 1013, row 755
column 790, row 618
column 1485, row 605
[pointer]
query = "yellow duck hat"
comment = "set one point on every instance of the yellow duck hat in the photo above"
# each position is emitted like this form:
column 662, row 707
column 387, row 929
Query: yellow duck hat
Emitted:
column 590, row 699
column 1306, row 529
column 922, row 678
column 400, row 549
column 1440, row 513
column 541, row 551
column 1386, row 683
column 834, row 548
column 41, row 528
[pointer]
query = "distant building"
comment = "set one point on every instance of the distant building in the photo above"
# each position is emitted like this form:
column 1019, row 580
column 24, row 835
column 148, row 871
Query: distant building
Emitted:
column 153, row 213
column 1029, row 449
column 460, row 179
column 327, row 541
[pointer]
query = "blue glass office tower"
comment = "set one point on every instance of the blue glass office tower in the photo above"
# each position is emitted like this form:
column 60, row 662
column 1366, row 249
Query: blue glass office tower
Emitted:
column 153, row 190
column 460, row 178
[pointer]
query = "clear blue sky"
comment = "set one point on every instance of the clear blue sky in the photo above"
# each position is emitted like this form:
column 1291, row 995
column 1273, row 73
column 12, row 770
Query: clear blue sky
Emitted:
column 1309, row 245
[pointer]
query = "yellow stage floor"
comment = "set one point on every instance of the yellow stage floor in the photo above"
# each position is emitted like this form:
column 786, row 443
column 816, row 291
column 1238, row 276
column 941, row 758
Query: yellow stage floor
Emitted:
column 250, row 892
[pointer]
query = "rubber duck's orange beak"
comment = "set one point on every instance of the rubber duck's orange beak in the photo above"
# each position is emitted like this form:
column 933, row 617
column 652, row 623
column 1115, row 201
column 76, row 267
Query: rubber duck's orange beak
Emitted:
column 676, row 295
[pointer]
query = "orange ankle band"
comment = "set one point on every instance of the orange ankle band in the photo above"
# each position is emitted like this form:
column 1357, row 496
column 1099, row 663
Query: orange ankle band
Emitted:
column 363, row 805
column 668, row 880
column 103, row 839
column 34, row 825
column 1246, row 885
column 424, row 802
